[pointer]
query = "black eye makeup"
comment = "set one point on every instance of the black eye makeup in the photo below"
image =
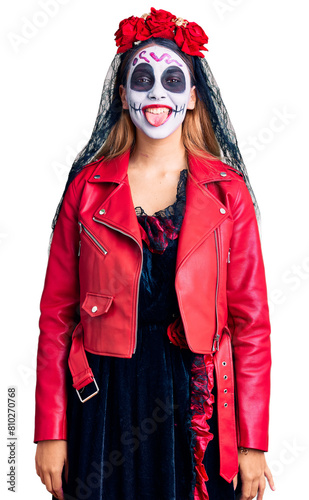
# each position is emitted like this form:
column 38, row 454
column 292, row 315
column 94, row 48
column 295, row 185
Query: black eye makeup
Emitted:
column 174, row 80
column 142, row 79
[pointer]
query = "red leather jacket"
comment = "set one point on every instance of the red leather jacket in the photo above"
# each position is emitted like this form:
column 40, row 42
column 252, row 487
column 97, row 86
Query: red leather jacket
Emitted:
column 93, row 276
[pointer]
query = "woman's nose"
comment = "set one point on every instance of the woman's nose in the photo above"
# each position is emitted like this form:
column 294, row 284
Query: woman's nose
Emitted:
column 157, row 92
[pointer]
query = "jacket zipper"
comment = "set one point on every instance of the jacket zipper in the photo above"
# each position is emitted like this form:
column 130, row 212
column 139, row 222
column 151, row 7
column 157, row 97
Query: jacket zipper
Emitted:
column 215, row 345
column 95, row 241
column 140, row 272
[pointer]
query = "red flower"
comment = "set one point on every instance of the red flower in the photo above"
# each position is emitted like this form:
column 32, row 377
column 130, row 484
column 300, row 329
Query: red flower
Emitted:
column 160, row 23
column 191, row 39
column 128, row 31
column 143, row 32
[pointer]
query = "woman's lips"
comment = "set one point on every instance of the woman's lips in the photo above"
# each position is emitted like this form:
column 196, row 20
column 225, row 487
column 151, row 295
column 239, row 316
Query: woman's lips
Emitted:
column 157, row 114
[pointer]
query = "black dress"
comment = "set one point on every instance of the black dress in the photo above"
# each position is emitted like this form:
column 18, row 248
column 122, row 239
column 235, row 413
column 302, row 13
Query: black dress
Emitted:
column 137, row 438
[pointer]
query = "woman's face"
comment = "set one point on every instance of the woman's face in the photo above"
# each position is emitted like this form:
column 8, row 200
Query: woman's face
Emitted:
column 158, row 91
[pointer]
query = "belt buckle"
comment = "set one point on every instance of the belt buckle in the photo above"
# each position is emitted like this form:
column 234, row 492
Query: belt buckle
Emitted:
column 91, row 395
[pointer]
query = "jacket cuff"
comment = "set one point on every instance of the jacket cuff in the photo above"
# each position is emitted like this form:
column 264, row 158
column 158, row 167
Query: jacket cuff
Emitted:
column 258, row 440
column 49, row 428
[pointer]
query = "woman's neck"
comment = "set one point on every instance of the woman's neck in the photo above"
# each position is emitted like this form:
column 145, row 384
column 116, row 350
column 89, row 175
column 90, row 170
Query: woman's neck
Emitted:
column 162, row 155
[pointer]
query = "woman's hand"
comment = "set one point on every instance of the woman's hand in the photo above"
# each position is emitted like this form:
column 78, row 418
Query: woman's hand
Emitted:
column 253, row 469
column 50, row 458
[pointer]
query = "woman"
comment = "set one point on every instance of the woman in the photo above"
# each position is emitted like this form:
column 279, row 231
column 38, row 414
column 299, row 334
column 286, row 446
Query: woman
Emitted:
column 155, row 292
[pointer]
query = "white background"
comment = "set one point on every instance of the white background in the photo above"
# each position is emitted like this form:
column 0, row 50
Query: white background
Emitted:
column 51, row 80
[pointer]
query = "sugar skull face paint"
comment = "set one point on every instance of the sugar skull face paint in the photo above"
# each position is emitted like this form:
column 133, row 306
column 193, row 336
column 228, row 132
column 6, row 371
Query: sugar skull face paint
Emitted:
column 158, row 91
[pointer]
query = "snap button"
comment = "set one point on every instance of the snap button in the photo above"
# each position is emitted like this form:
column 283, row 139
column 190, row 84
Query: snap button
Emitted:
column 225, row 391
column 225, row 377
column 223, row 174
column 97, row 177
column 94, row 309
column 224, row 363
column 222, row 210
column 225, row 405
column 102, row 212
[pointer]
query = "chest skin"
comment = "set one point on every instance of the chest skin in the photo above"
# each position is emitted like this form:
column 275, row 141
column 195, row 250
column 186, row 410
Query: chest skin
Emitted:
column 153, row 190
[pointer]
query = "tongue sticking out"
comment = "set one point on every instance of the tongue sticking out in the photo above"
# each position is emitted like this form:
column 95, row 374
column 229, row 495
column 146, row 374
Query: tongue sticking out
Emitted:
column 156, row 119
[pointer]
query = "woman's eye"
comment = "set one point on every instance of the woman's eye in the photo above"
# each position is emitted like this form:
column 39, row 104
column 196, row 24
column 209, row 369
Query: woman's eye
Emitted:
column 173, row 81
column 143, row 79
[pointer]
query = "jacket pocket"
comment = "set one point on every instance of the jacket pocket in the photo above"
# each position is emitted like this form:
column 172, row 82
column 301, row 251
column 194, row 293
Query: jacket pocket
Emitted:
column 96, row 304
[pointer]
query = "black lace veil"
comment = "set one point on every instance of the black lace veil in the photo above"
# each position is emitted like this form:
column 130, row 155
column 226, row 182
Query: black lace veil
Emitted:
column 110, row 109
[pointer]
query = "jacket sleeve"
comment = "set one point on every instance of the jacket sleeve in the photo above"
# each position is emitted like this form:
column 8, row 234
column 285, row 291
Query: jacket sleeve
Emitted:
column 249, row 324
column 59, row 314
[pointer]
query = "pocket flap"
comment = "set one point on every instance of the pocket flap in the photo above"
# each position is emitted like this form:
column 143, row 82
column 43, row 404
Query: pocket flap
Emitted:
column 96, row 304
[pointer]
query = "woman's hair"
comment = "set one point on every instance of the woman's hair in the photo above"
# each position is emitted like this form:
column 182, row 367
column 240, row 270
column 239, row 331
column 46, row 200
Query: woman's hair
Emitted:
column 197, row 132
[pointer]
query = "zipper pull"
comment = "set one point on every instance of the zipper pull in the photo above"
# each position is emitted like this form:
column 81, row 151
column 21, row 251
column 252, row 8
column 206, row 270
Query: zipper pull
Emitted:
column 229, row 256
column 215, row 345
column 80, row 230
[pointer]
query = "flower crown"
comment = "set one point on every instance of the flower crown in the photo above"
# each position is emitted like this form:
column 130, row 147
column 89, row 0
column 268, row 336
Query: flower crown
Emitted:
column 189, row 37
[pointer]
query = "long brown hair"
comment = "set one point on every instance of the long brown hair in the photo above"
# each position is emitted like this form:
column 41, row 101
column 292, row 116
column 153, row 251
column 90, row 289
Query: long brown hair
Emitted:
column 197, row 132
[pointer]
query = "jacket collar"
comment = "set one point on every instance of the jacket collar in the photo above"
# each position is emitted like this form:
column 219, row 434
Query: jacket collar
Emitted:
column 203, row 214
column 116, row 170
